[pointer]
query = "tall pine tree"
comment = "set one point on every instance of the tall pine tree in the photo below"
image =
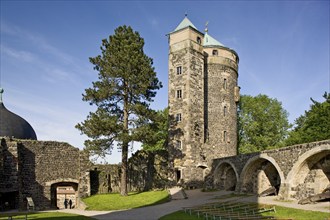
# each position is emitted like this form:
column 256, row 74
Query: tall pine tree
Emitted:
column 126, row 84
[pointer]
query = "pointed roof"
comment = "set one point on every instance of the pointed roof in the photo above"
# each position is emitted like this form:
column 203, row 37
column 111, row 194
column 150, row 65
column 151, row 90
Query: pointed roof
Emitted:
column 185, row 23
column 210, row 41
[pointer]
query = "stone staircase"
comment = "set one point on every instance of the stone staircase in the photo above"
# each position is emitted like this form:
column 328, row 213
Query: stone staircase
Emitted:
column 177, row 193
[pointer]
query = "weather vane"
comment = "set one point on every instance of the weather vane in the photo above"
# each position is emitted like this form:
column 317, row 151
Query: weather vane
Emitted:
column 206, row 24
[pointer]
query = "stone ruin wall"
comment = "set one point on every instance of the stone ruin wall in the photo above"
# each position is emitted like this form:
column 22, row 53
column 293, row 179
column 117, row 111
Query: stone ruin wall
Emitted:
column 9, row 179
column 146, row 171
column 42, row 163
column 301, row 170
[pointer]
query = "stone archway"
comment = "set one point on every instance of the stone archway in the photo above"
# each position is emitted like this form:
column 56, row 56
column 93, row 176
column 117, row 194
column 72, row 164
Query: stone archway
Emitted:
column 310, row 175
column 61, row 190
column 261, row 173
column 64, row 191
column 225, row 176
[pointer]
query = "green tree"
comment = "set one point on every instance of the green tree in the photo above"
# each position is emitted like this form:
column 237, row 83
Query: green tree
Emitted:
column 158, row 132
column 154, row 144
column 126, row 84
column 262, row 123
column 314, row 125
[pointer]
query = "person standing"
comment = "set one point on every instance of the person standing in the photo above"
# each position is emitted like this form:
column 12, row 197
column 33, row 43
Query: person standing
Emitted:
column 70, row 203
column 66, row 203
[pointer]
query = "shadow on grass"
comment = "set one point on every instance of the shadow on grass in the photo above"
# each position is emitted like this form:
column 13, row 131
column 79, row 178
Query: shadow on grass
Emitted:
column 42, row 215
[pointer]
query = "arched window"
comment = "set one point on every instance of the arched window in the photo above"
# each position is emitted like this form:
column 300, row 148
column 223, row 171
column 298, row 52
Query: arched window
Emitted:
column 215, row 52
column 224, row 136
column 224, row 110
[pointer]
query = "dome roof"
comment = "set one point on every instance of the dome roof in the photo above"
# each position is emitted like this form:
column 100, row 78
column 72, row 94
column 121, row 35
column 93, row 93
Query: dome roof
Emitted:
column 12, row 125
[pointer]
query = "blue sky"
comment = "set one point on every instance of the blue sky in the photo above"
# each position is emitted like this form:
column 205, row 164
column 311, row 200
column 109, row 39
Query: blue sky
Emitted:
column 45, row 48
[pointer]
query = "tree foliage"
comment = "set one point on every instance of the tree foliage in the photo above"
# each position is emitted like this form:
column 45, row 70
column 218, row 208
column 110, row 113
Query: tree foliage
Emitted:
column 126, row 84
column 158, row 132
column 314, row 125
column 262, row 123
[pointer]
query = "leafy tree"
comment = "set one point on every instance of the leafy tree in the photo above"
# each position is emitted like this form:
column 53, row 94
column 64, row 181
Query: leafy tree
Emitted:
column 126, row 84
column 262, row 123
column 158, row 132
column 154, row 143
column 314, row 125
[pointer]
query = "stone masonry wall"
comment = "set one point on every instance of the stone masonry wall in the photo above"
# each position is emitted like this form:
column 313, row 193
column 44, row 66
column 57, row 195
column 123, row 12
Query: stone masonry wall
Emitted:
column 42, row 163
column 146, row 171
column 306, row 164
column 186, row 147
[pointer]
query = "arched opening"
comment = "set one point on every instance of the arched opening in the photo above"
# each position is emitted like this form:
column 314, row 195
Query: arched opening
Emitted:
column 178, row 175
column 225, row 177
column 62, row 193
column 261, row 177
column 311, row 176
column 8, row 200
column 203, row 169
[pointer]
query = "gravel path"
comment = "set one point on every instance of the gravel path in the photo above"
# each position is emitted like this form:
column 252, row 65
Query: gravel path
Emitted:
column 195, row 197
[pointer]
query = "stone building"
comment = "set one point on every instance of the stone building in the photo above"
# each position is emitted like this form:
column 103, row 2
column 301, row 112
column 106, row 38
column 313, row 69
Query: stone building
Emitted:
column 46, row 171
column 203, row 96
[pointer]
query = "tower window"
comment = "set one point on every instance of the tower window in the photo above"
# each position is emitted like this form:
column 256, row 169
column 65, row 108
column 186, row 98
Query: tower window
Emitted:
column 199, row 41
column 178, row 144
column 179, row 70
column 224, row 136
column 178, row 117
column 225, row 83
column 224, row 110
column 179, row 94
column 215, row 52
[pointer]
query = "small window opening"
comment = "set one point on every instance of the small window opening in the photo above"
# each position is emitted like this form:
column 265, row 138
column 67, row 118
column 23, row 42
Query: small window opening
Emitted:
column 179, row 70
column 178, row 117
column 225, row 83
column 178, row 144
column 179, row 94
column 199, row 41
column 224, row 136
column 215, row 52
column 224, row 110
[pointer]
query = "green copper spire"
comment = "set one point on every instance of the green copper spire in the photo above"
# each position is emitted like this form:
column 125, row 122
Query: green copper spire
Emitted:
column 210, row 41
column 185, row 23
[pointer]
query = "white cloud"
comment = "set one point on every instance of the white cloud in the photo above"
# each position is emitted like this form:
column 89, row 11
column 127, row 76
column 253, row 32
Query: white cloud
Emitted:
column 36, row 40
column 18, row 54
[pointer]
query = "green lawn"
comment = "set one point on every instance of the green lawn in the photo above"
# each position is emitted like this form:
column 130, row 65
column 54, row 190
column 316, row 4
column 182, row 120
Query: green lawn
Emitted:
column 281, row 212
column 114, row 201
column 46, row 215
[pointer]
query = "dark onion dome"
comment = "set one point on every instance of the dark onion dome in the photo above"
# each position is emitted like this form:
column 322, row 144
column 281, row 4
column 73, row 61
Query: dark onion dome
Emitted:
column 14, row 126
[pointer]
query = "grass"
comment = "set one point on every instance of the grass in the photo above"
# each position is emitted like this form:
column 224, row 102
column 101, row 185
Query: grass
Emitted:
column 45, row 215
column 114, row 201
column 281, row 212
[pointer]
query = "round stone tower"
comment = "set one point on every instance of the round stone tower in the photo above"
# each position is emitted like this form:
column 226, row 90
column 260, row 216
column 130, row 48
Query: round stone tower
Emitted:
column 221, row 98
column 202, row 94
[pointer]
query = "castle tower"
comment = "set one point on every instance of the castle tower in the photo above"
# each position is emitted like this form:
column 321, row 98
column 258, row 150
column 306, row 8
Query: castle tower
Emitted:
column 202, row 94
